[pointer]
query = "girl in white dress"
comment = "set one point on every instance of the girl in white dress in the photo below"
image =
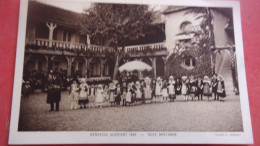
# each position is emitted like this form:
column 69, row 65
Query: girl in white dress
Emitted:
column 171, row 88
column 138, row 92
column 129, row 93
column 106, row 95
column 158, row 89
column 83, row 96
column 147, row 90
column 99, row 96
column 184, row 90
column 74, row 95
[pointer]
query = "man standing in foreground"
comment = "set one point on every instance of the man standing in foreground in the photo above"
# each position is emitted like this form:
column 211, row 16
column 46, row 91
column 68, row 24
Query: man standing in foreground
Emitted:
column 53, row 92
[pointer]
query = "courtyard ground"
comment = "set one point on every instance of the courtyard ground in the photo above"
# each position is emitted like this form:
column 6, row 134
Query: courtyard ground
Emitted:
column 210, row 116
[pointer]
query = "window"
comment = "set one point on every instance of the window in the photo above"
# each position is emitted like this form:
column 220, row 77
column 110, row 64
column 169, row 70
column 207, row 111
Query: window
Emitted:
column 189, row 62
column 186, row 27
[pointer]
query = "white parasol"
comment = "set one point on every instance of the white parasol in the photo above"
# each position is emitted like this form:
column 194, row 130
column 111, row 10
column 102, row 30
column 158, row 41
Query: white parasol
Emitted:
column 134, row 65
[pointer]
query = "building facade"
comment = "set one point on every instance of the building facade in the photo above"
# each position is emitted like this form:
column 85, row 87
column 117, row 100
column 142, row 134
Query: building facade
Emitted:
column 53, row 42
column 185, row 36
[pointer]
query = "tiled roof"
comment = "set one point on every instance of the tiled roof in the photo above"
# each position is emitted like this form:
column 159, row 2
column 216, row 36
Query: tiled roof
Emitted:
column 172, row 9
column 46, row 13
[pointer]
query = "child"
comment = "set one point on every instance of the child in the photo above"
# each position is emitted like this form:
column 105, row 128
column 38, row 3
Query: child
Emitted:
column 171, row 89
column 221, row 88
column 112, row 89
column 123, row 97
column 153, row 85
column 178, row 87
column 74, row 95
column 199, row 88
column 187, row 83
column 26, row 89
column 118, row 95
column 138, row 92
column 147, row 89
column 184, row 89
column 214, row 87
column 106, row 95
column 91, row 93
column 164, row 92
column 206, row 87
column 129, row 93
column 99, row 94
column 158, row 89
column 193, row 88
column 83, row 96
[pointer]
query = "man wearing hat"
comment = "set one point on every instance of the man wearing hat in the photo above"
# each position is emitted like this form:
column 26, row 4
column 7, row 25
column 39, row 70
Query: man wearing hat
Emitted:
column 214, row 86
column 53, row 92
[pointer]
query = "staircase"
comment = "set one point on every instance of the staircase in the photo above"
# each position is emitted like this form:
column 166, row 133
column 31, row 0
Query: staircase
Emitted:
column 223, row 67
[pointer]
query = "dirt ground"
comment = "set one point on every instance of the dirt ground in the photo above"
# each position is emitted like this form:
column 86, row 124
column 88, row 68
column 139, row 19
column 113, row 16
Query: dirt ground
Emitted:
column 209, row 116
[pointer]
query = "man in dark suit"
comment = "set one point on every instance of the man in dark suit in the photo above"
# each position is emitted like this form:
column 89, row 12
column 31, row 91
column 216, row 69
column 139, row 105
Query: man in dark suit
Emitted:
column 53, row 92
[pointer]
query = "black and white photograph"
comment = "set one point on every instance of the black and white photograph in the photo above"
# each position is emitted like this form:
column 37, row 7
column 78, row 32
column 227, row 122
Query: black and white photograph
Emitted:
column 112, row 69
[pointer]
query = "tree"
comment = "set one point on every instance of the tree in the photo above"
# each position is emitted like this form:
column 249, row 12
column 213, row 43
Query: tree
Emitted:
column 203, row 40
column 116, row 24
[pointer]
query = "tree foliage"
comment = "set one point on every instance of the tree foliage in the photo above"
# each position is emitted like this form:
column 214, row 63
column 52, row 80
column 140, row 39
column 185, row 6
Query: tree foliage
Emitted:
column 200, row 46
column 115, row 23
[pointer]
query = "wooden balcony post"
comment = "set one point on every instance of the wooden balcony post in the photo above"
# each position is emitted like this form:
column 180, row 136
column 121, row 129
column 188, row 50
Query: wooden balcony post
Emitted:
column 51, row 27
column 154, row 66
column 69, row 60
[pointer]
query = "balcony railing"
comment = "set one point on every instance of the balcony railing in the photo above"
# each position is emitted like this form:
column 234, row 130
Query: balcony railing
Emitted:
column 71, row 46
column 155, row 46
column 68, row 45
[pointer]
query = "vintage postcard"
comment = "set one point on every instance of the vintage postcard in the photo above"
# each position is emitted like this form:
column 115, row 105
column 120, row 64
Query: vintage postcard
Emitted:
column 150, row 71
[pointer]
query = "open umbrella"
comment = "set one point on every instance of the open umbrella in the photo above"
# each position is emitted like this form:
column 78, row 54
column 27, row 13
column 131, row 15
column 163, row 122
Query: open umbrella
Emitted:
column 135, row 66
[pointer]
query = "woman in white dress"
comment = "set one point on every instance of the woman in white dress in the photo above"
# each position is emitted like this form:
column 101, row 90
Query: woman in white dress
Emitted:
column 171, row 88
column 147, row 89
column 112, row 90
column 158, row 89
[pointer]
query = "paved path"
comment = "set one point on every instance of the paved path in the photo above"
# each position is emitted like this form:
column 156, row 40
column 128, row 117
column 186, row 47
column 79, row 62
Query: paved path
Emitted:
column 171, row 116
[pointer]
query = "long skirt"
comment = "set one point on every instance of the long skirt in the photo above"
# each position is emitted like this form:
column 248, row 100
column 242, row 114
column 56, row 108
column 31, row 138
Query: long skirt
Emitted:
column 111, row 97
column 206, row 90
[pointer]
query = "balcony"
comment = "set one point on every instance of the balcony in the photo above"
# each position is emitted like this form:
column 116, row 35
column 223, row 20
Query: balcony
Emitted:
column 146, row 49
column 68, row 46
column 46, row 46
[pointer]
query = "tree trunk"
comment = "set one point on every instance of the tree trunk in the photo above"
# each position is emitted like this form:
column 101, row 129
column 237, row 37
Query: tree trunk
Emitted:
column 116, row 67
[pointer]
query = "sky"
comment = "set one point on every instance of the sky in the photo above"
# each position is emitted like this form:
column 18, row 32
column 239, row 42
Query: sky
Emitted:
column 77, row 6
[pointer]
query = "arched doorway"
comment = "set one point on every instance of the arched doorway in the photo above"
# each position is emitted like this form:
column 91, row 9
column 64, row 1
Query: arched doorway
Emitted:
column 108, row 68
column 35, row 71
column 78, row 67
column 95, row 68
column 37, row 63
column 149, row 62
column 159, row 67
column 60, row 65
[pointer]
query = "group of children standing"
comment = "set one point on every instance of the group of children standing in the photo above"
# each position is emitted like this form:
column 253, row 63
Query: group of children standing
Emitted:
column 147, row 91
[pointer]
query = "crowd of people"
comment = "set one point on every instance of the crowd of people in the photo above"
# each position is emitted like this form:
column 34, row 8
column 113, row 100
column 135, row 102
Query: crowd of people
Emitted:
column 85, row 95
